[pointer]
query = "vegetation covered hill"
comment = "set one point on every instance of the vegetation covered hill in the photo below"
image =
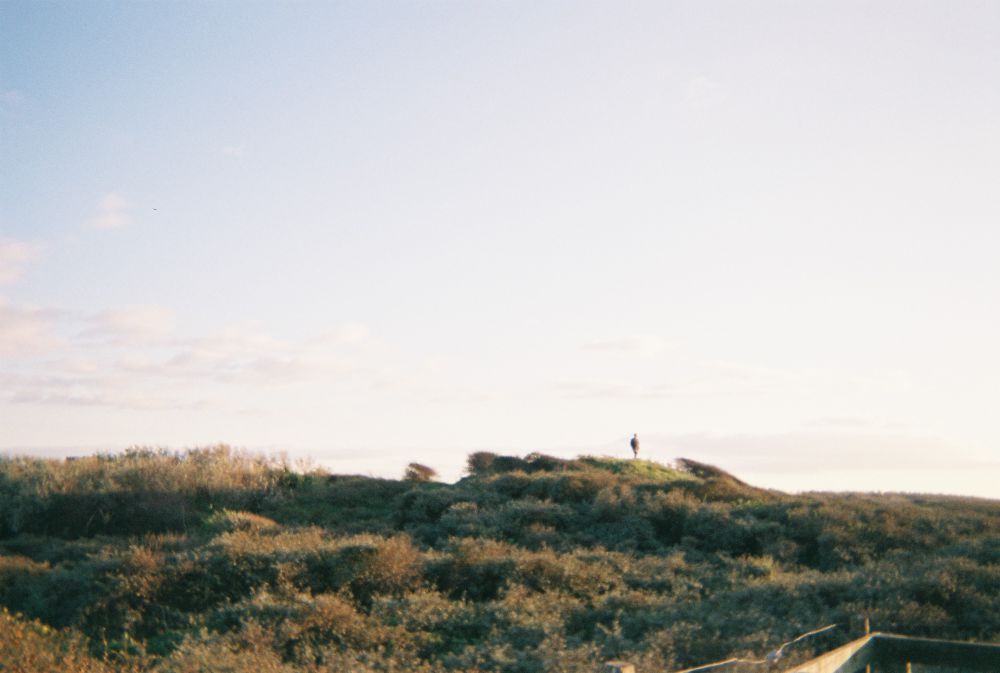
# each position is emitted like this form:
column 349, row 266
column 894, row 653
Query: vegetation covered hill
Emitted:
column 214, row 560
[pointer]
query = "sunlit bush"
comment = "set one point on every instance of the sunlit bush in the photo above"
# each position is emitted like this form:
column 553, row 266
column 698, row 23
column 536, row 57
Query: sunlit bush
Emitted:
column 248, row 649
column 32, row 647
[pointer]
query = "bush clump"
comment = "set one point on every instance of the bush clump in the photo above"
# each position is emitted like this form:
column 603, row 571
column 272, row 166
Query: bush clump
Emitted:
column 416, row 472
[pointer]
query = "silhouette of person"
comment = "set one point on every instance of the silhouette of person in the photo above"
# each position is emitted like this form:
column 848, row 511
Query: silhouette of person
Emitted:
column 635, row 445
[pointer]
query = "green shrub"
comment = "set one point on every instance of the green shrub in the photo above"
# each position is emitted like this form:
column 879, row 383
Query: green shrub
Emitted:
column 546, row 571
column 386, row 567
column 539, row 462
column 228, row 521
column 22, row 584
column 440, row 625
column 474, row 569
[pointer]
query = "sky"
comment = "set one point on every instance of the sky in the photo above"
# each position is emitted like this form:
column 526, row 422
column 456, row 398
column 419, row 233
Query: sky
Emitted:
column 761, row 235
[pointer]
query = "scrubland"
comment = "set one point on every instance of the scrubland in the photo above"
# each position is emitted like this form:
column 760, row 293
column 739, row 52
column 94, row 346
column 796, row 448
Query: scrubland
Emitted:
column 217, row 560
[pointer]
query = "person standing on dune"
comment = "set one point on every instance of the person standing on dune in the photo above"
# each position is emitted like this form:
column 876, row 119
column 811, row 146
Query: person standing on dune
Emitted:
column 635, row 446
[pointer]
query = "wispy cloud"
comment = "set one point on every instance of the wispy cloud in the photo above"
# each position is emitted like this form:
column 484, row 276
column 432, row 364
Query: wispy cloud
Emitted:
column 14, row 258
column 25, row 329
column 131, row 323
column 103, row 396
column 131, row 358
column 241, row 354
column 112, row 212
column 634, row 344
column 348, row 333
column 66, row 382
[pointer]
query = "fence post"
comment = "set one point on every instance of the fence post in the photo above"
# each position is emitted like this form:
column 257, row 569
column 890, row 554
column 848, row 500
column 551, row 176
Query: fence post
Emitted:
column 868, row 630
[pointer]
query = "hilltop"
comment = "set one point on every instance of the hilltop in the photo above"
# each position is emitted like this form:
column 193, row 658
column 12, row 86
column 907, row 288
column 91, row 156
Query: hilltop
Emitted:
column 222, row 560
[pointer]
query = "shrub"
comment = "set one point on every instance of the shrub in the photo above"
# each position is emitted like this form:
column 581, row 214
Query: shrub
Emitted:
column 365, row 565
column 228, row 521
column 32, row 647
column 571, row 487
column 389, row 566
column 546, row 571
column 479, row 463
column 22, row 582
column 475, row 569
column 138, row 491
column 539, row 462
column 329, row 620
column 248, row 649
column 439, row 624
column 425, row 506
column 419, row 473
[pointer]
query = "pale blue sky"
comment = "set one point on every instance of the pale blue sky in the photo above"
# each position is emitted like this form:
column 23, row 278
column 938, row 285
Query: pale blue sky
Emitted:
column 761, row 234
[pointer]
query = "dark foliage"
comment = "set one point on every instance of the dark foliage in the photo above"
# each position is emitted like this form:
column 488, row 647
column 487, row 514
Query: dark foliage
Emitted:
column 218, row 560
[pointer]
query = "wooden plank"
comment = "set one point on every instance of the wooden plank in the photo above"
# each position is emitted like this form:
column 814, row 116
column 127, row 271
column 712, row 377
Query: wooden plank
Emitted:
column 848, row 658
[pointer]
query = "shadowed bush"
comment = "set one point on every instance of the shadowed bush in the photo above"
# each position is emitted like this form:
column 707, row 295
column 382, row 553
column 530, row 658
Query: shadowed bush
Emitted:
column 476, row 570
